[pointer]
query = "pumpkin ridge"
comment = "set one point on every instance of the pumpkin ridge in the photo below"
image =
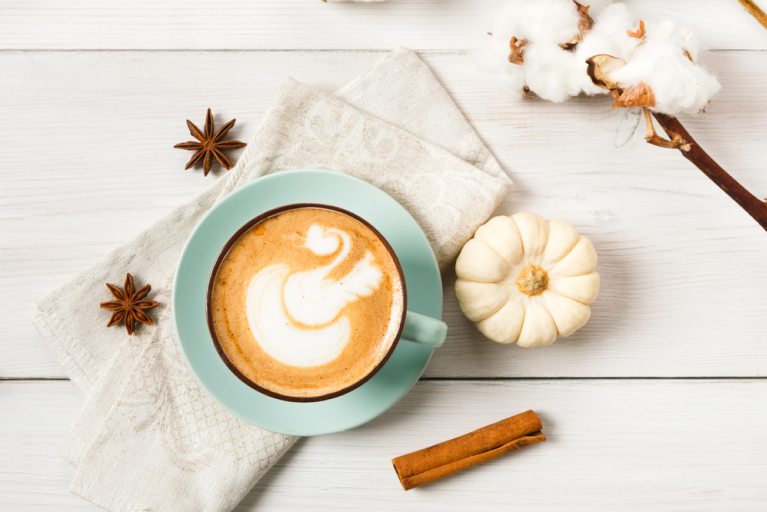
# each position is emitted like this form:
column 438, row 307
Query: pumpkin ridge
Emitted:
column 555, row 269
column 496, row 252
column 552, row 319
column 566, row 296
column 521, row 324
column 554, row 263
column 522, row 242
column 524, row 317
column 547, row 312
column 557, row 279
column 494, row 312
column 522, row 239
column 502, row 303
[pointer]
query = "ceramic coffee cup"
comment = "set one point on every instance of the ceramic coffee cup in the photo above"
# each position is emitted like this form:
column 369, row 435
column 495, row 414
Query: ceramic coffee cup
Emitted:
column 412, row 327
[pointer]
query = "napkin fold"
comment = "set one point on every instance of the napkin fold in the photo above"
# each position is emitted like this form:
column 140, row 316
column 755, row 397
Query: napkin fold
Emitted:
column 148, row 436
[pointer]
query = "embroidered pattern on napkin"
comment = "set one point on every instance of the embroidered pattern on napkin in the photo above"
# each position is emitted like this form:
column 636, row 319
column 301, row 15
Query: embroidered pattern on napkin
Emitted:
column 444, row 194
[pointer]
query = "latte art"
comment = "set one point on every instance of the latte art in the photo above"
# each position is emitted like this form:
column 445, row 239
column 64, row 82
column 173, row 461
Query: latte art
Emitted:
column 307, row 303
column 313, row 299
column 278, row 301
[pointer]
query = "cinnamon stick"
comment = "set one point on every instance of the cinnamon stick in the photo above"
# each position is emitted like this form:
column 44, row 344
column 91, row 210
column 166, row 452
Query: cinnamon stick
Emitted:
column 444, row 459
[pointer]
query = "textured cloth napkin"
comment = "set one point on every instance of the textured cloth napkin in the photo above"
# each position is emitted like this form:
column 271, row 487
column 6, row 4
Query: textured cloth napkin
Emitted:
column 148, row 437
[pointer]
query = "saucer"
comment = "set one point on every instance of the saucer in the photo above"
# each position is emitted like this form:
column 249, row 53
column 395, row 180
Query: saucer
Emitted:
column 388, row 386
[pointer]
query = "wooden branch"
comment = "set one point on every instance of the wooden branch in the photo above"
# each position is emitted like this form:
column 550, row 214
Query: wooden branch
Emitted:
column 755, row 11
column 677, row 142
column 753, row 205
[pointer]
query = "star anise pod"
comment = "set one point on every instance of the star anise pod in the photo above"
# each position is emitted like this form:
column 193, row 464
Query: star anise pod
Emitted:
column 129, row 305
column 210, row 144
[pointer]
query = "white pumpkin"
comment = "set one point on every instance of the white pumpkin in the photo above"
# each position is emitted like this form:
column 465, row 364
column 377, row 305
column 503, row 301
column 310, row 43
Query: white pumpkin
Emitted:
column 525, row 280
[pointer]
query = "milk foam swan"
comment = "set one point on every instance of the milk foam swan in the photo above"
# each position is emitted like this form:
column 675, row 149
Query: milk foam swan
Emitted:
column 277, row 300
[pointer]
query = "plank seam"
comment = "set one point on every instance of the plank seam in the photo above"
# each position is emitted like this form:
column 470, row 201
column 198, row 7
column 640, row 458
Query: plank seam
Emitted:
column 483, row 379
column 507, row 379
column 422, row 51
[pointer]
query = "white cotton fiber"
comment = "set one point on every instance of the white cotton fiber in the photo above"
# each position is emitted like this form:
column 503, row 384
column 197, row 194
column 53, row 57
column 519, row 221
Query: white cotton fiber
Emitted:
column 555, row 73
column 607, row 36
column 549, row 71
column 679, row 85
column 545, row 23
column 494, row 61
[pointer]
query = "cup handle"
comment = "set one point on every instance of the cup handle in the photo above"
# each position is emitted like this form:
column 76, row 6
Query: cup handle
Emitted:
column 424, row 330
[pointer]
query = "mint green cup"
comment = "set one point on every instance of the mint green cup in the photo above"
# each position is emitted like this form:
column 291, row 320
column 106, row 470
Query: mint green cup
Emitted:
column 392, row 382
column 413, row 327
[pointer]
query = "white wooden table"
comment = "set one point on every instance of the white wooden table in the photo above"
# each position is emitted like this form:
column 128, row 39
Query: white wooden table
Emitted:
column 659, row 403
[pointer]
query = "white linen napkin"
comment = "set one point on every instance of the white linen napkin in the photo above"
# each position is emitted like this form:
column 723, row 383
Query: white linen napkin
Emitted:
column 148, row 437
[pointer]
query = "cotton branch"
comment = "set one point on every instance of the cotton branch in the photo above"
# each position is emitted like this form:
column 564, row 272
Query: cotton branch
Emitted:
column 755, row 11
column 753, row 205
column 558, row 49
column 676, row 142
column 679, row 138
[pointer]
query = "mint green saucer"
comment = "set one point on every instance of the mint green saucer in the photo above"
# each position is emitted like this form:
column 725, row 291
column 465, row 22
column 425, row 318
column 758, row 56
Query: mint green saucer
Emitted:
column 388, row 386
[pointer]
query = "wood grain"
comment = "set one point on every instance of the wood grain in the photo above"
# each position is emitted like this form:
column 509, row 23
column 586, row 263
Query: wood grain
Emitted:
column 612, row 445
column 684, row 286
column 311, row 24
column 87, row 162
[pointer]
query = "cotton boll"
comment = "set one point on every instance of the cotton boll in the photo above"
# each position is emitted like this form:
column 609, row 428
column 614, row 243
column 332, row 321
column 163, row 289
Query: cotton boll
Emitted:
column 549, row 71
column 597, row 6
column 612, row 25
column 553, row 21
column 493, row 54
column 545, row 24
column 607, row 36
column 678, row 84
column 508, row 20
column 593, row 44
column 681, row 37
column 578, row 67
column 596, row 44
column 553, row 63
column 493, row 60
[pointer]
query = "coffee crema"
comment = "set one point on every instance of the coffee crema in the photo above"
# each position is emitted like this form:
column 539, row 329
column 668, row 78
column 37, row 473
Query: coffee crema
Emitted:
column 307, row 303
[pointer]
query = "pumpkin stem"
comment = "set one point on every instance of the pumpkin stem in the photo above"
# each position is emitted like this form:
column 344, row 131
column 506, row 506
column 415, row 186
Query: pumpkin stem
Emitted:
column 533, row 280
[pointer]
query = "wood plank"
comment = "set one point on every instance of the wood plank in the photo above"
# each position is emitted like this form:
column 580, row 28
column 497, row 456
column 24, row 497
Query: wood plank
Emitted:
column 88, row 162
column 311, row 24
column 33, row 474
column 612, row 445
